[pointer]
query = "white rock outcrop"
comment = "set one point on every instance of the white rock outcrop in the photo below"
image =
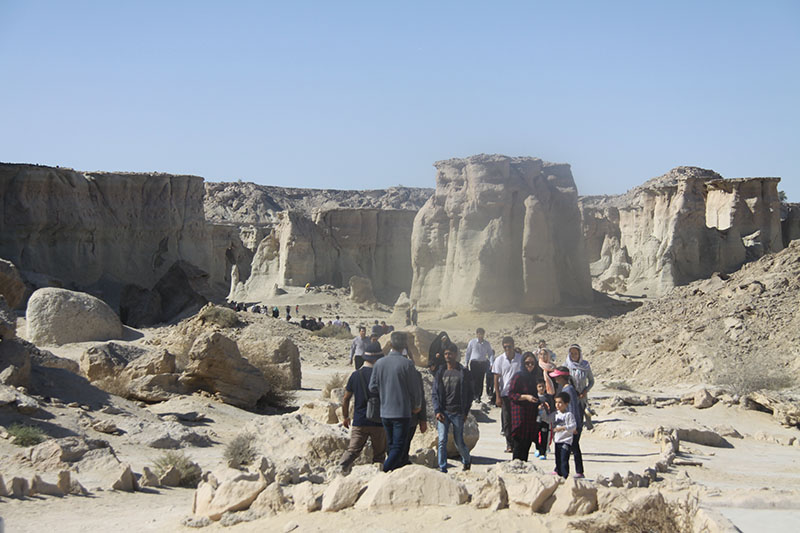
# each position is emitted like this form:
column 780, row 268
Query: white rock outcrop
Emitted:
column 500, row 233
column 60, row 316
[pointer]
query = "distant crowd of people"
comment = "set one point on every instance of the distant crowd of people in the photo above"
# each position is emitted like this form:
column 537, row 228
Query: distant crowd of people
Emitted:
column 306, row 322
column 541, row 403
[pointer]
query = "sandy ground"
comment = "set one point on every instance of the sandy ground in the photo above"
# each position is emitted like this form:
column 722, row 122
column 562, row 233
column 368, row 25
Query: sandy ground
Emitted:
column 756, row 484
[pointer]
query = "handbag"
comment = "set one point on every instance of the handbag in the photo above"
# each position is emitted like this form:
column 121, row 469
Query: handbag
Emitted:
column 373, row 402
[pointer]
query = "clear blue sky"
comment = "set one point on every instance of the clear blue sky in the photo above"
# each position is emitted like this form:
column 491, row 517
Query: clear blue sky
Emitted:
column 369, row 94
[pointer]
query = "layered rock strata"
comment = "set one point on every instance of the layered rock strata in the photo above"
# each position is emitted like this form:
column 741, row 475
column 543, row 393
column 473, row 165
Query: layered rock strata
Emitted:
column 500, row 233
column 679, row 227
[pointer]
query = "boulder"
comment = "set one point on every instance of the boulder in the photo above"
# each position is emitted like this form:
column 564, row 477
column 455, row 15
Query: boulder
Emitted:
column 39, row 486
column 19, row 488
column 12, row 288
column 361, row 290
column 703, row 399
column 23, row 403
column 321, row 411
column 704, row 436
column 290, row 437
column 575, row 497
column 123, row 479
column 344, row 491
column 149, row 478
column 59, row 316
column 171, row 477
column 307, row 497
column 490, row 493
column 272, row 500
column 412, row 486
column 108, row 359
column 784, row 410
column 15, row 363
column 233, row 494
column 216, row 366
column 278, row 358
column 534, row 493
column 105, row 426
column 57, row 454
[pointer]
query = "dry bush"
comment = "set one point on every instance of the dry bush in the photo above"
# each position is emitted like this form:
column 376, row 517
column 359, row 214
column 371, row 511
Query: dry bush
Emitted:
column 661, row 517
column 221, row 316
column 619, row 385
column 26, row 435
column 336, row 332
column 336, row 381
column 118, row 384
column 609, row 343
column 240, row 451
column 744, row 379
column 190, row 471
column 281, row 395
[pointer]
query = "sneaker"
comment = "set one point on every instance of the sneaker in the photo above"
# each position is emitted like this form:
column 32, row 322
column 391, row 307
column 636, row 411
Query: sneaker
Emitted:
column 553, row 473
column 543, row 457
column 466, row 467
column 579, row 476
column 536, row 453
column 509, row 450
column 443, row 470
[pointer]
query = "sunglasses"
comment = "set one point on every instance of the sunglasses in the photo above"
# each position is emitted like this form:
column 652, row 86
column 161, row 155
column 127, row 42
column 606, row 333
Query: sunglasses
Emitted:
column 508, row 346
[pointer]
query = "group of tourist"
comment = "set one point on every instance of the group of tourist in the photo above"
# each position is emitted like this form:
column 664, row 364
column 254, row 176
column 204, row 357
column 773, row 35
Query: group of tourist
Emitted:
column 541, row 403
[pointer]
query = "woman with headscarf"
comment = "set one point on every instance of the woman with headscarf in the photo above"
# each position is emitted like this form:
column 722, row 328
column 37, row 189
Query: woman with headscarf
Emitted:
column 524, row 406
column 436, row 352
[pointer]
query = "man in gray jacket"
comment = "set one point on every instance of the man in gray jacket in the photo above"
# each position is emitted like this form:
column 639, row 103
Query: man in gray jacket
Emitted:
column 396, row 381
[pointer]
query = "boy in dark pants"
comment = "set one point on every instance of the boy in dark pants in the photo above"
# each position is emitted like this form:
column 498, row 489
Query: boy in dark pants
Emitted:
column 545, row 410
column 563, row 428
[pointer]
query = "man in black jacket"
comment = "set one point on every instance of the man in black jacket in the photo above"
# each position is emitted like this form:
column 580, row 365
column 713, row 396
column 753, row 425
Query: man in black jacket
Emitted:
column 452, row 399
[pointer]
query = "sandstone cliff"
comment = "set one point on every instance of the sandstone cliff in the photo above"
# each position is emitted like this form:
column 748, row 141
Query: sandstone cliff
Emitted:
column 329, row 248
column 500, row 233
column 679, row 227
column 98, row 230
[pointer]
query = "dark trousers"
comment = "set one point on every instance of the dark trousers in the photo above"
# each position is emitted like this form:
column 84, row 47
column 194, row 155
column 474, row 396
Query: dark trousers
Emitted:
column 576, row 452
column 490, row 384
column 521, row 448
column 412, row 429
column 543, row 437
column 505, row 421
column 478, row 371
column 358, row 361
column 562, row 459
column 396, row 435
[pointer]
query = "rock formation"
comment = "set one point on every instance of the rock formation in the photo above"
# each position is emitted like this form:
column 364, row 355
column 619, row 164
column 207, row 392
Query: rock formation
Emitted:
column 500, row 233
column 679, row 227
column 329, row 248
column 59, row 316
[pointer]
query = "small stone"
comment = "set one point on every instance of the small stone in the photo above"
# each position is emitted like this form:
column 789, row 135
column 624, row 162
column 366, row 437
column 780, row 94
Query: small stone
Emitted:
column 104, row 426
column 290, row 526
column 149, row 479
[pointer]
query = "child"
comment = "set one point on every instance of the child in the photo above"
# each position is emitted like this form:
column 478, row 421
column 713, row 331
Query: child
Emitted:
column 562, row 377
column 582, row 377
column 563, row 427
column 543, row 420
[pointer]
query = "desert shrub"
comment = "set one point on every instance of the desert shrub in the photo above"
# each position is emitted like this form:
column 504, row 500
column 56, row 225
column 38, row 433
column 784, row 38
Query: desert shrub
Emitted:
column 221, row 316
column 336, row 381
column 26, row 435
column 744, row 379
column 240, row 451
column 190, row 471
column 336, row 332
column 619, row 385
column 660, row 516
column 281, row 395
column 609, row 343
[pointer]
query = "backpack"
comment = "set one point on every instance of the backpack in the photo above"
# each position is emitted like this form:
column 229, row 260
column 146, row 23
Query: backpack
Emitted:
column 373, row 402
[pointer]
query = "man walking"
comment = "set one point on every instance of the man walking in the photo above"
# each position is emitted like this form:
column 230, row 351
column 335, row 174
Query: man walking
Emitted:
column 358, row 347
column 505, row 366
column 476, row 359
column 452, row 398
column 395, row 380
column 362, row 428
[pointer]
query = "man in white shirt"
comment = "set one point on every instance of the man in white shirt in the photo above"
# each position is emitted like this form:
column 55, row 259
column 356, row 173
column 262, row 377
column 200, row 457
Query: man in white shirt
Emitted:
column 505, row 366
column 477, row 360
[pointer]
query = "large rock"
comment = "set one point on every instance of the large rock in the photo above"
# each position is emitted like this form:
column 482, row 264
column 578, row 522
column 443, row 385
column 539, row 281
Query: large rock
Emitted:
column 213, row 498
column 216, row 366
column 679, row 227
column 15, row 363
column 12, row 288
column 60, row 316
column 412, row 486
column 108, row 359
column 10, row 396
column 291, row 437
column 499, row 233
column 274, row 356
column 575, row 497
column 344, row 491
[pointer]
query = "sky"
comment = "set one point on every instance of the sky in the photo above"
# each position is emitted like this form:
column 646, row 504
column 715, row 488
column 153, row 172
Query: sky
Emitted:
column 364, row 95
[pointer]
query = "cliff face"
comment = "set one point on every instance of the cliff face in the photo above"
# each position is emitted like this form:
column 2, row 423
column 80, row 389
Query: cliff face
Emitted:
column 679, row 227
column 329, row 248
column 101, row 230
column 500, row 233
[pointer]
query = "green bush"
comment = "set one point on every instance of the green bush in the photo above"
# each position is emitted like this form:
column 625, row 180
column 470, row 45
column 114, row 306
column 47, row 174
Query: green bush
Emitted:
column 190, row 471
column 240, row 451
column 336, row 332
column 26, row 435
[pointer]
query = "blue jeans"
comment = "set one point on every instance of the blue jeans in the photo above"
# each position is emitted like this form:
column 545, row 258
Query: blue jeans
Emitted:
column 458, row 436
column 396, row 435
